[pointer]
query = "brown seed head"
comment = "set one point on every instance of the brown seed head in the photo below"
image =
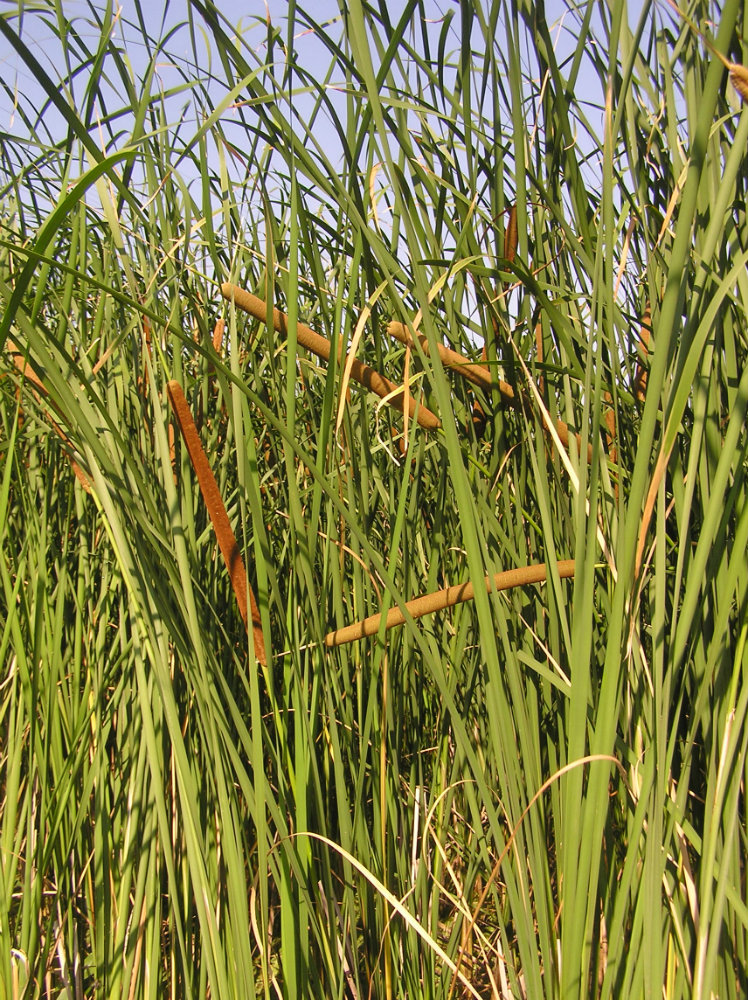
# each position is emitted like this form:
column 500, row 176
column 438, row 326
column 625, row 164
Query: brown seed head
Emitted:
column 739, row 79
column 511, row 235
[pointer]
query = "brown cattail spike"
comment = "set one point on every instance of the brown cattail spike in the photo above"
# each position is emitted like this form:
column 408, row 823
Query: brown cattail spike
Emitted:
column 211, row 495
column 441, row 599
column 475, row 373
column 361, row 373
column 511, row 236
column 739, row 80
column 218, row 335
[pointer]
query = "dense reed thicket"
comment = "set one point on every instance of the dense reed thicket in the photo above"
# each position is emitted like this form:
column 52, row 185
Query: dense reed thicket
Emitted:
column 528, row 231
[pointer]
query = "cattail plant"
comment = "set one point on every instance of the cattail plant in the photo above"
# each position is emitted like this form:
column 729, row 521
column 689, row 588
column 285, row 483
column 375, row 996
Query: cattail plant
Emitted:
column 291, row 237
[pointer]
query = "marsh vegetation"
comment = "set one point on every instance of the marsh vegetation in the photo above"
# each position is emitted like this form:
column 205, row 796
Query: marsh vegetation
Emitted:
column 535, row 229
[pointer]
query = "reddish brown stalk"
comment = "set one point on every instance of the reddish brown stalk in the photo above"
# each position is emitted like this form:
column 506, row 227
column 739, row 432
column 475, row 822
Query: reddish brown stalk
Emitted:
column 429, row 603
column 322, row 348
column 221, row 525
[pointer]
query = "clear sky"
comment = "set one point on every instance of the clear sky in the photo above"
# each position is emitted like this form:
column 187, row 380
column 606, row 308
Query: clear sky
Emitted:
column 162, row 16
column 253, row 15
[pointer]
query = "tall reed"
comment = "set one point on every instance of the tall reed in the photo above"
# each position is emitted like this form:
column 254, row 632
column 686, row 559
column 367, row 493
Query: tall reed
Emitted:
column 538, row 792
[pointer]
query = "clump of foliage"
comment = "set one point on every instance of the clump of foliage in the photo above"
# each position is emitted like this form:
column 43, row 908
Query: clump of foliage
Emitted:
column 538, row 792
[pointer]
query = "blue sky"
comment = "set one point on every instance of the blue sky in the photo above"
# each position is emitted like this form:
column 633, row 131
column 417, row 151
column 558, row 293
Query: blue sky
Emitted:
column 250, row 17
